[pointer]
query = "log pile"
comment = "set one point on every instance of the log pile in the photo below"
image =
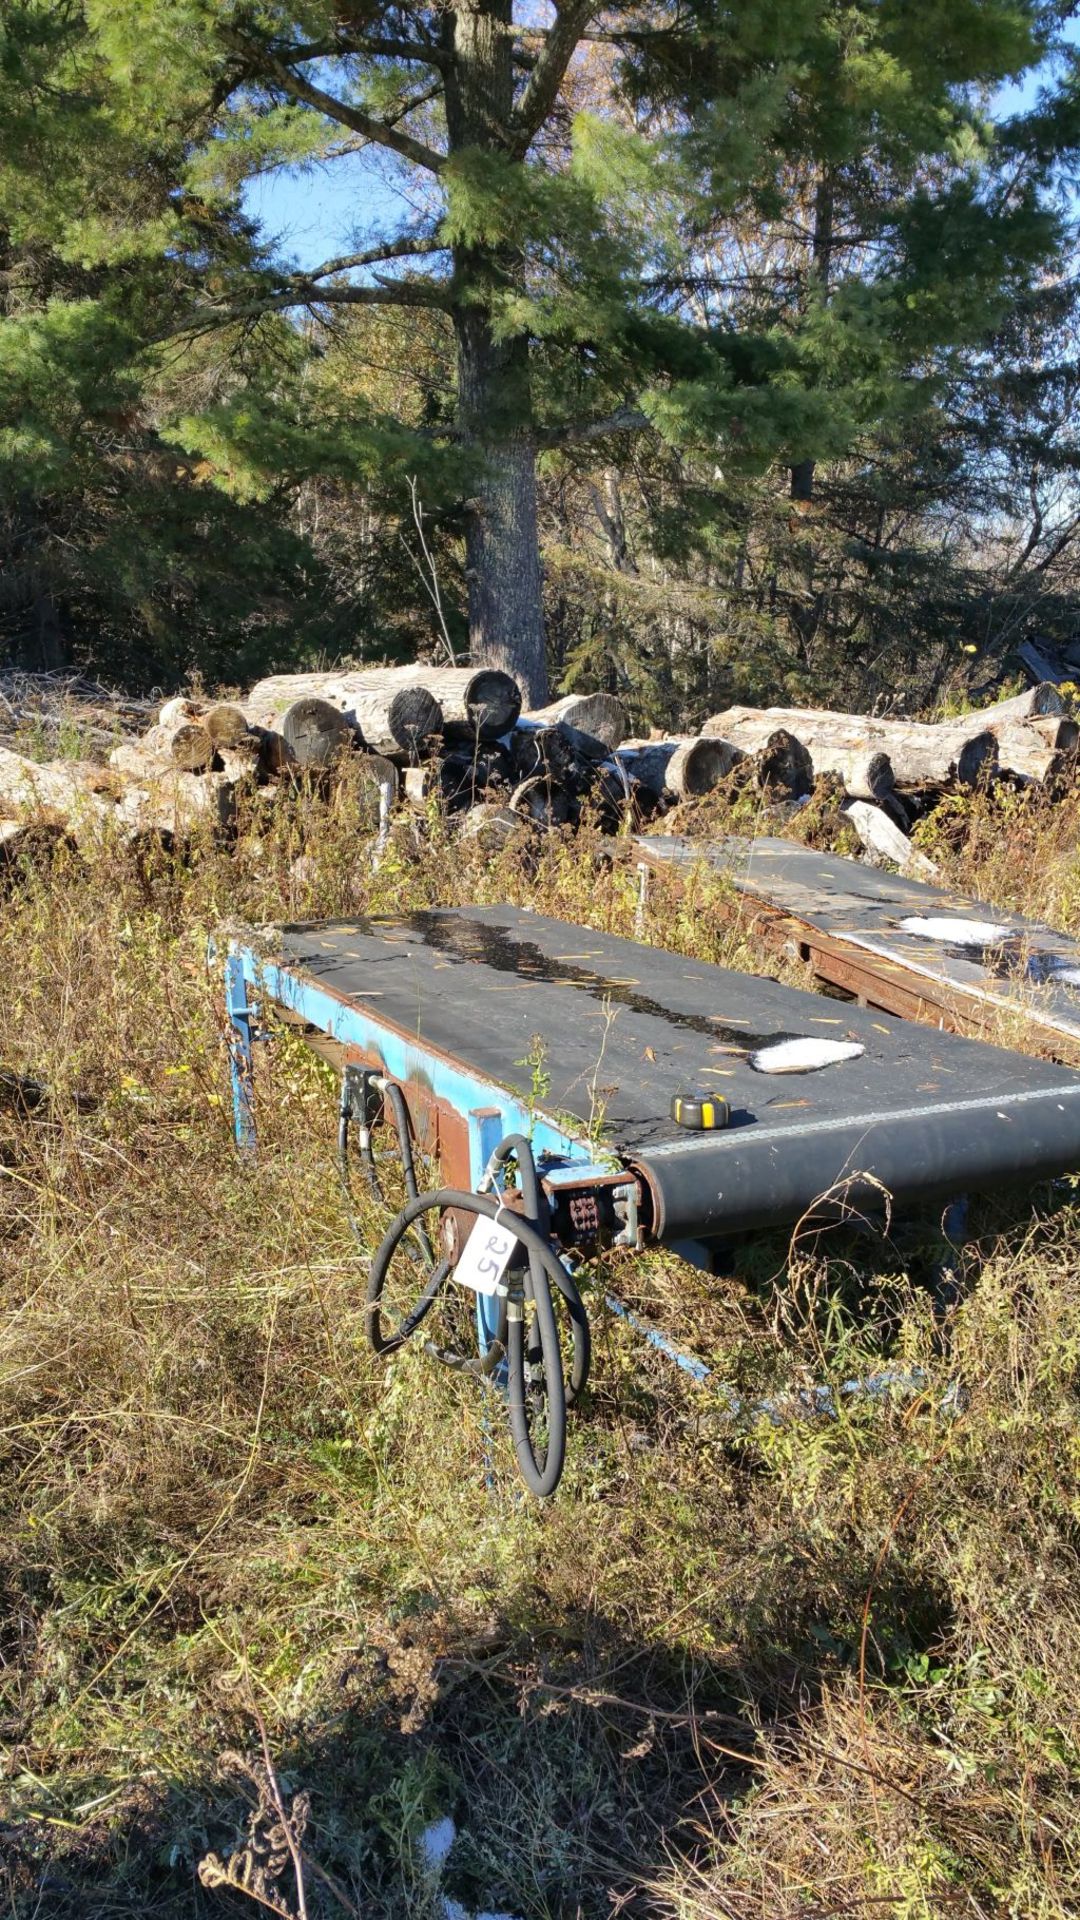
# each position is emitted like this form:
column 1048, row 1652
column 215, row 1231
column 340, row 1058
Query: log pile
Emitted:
column 456, row 739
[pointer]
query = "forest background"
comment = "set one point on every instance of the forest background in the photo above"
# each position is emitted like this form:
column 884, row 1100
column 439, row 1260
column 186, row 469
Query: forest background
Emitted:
column 699, row 353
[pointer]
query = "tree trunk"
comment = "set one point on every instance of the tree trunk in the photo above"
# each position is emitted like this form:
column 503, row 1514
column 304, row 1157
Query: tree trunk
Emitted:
column 802, row 471
column 502, row 541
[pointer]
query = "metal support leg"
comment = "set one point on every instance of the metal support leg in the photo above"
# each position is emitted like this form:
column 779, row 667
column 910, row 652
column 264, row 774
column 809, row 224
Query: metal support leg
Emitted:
column 240, row 1056
column 486, row 1128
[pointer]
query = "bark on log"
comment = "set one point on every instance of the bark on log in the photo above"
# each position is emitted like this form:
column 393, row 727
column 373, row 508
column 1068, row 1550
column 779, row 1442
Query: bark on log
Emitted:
column 682, row 769
column 921, row 755
column 886, row 842
column 598, row 714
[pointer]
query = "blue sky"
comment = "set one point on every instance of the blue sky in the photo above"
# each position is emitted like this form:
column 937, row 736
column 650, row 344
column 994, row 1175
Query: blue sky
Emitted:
column 318, row 213
column 315, row 214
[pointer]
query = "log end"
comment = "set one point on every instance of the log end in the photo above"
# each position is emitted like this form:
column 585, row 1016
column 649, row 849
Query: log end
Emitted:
column 414, row 715
column 492, row 703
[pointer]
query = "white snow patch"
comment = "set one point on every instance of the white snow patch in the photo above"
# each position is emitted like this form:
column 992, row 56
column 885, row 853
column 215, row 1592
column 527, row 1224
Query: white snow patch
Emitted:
column 960, row 933
column 436, row 1842
column 453, row 1910
column 803, row 1056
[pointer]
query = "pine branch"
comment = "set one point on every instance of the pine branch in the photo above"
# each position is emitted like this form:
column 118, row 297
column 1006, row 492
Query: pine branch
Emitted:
column 549, row 71
column 382, row 133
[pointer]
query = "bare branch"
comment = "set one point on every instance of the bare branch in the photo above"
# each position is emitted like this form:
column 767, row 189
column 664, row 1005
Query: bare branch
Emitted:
column 370, row 46
column 405, row 248
column 542, row 86
column 623, row 420
column 381, row 132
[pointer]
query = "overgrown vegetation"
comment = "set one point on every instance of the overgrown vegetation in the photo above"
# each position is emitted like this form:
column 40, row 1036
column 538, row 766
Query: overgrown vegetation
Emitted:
column 824, row 1669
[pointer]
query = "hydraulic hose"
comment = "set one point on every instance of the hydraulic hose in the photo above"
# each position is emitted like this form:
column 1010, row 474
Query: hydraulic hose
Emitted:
column 541, row 1475
column 396, row 1101
column 517, row 1147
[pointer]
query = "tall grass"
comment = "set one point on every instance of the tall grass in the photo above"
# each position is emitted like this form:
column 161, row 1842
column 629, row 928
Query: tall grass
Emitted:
column 825, row 1669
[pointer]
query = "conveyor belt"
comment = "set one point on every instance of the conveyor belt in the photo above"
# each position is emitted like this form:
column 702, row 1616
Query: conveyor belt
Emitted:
column 618, row 1028
column 845, row 919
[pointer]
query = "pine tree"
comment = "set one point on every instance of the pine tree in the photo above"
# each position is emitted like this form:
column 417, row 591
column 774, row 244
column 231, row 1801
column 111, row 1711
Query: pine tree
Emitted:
column 575, row 193
column 114, row 551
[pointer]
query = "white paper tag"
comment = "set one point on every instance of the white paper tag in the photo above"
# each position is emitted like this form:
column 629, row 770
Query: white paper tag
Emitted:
column 485, row 1257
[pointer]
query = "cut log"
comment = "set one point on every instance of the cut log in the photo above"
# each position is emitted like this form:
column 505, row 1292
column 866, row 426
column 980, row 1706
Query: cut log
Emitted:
column 921, row 755
column 29, row 839
column 314, row 731
column 561, row 750
column 145, row 759
column 394, row 709
column 783, row 766
column 598, row 714
column 683, row 769
column 225, row 723
column 374, row 770
column 478, row 703
column 176, row 711
column 866, row 771
column 1041, row 699
column 177, row 804
column 241, row 763
column 1038, row 664
column 885, row 841
column 190, row 747
column 186, row 745
column 60, row 793
column 1040, row 750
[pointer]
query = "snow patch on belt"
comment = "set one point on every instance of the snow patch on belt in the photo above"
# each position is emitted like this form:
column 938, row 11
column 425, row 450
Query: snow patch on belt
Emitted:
column 803, row 1056
column 960, row 933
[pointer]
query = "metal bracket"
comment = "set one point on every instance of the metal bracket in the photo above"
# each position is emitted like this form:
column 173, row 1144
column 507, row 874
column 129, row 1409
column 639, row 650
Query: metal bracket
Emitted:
column 361, row 1095
column 626, row 1210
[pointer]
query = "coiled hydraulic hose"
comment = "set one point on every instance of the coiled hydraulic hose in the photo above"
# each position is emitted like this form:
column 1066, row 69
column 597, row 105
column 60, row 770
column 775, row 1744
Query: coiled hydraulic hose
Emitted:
column 537, row 1395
